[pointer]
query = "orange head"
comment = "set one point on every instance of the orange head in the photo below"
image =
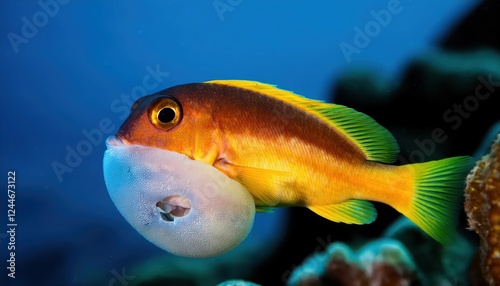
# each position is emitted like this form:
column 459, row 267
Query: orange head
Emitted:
column 178, row 119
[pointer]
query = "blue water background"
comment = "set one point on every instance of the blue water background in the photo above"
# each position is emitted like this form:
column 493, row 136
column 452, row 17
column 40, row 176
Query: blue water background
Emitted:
column 71, row 74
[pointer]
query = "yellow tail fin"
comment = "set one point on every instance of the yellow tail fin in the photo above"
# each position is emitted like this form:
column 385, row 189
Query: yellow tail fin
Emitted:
column 437, row 196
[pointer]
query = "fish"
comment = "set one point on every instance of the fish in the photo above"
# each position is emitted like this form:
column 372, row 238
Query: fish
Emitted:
column 288, row 150
column 178, row 204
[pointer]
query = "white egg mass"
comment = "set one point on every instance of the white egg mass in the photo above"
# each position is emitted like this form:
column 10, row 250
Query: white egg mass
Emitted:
column 183, row 206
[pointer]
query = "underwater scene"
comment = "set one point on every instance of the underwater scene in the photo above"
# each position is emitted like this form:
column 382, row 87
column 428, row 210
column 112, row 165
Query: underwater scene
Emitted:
column 238, row 142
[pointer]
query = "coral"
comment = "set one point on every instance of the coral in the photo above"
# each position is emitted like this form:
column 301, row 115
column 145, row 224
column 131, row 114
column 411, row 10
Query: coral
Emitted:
column 482, row 204
column 382, row 262
column 237, row 283
column 405, row 255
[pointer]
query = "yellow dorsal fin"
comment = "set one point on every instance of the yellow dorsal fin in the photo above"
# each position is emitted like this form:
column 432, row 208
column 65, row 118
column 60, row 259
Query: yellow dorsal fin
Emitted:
column 376, row 142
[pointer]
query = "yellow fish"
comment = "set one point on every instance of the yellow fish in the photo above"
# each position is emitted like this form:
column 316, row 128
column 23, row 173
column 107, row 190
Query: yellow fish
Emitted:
column 288, row 150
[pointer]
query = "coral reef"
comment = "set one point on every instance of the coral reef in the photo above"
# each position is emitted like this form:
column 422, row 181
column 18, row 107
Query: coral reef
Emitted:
column 382, row 262
column 482, row 204
column 405, row 255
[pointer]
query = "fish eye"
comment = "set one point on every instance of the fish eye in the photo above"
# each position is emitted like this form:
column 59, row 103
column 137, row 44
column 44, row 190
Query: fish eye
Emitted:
column 165, row 113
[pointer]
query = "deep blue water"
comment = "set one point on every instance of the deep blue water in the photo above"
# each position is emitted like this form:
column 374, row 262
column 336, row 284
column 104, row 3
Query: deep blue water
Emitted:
column 64, row 75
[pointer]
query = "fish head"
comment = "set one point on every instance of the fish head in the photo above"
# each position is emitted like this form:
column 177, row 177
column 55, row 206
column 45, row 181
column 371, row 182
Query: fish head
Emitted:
column 178, row 119
column 183, row 206
column 156, row 175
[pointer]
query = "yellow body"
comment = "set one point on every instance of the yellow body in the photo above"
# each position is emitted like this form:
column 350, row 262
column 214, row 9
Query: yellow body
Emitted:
column 316, row 179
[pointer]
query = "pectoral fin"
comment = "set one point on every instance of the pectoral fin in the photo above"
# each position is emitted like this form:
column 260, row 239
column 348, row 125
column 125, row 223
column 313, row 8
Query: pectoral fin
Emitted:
column 350, row 212
column 262, row 183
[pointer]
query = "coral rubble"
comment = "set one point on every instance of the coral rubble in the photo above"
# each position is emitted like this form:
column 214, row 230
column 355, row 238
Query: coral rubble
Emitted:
column 482, row 204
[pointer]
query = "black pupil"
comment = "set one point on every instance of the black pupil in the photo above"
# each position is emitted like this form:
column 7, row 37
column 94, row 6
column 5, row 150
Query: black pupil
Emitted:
column 166, row 115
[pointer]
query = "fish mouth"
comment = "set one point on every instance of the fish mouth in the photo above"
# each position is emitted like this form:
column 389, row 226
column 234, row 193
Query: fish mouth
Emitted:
column 173, row 207
column 114, row 141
